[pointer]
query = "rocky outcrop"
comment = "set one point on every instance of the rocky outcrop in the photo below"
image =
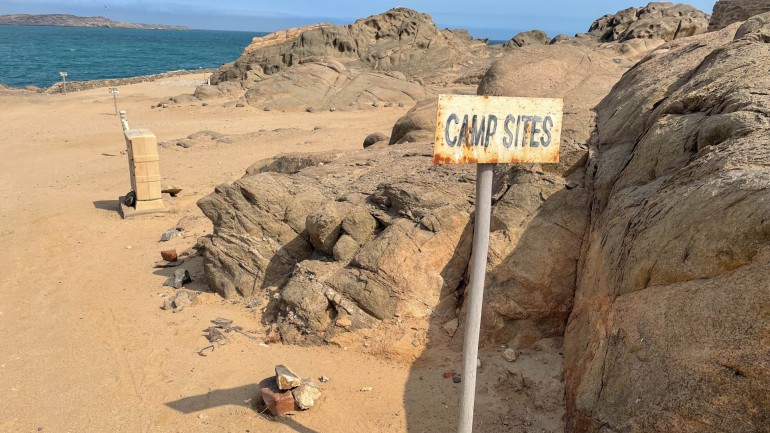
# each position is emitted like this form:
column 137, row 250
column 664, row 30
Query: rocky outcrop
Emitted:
column 64, row 20
column 727, row 12
column 669, row 330
column 398, row 40
column 328, row 84
column 387, row 59
column 280, row 37
column 346, row 245
column 381, row 237
column 657, row 20
column 532, row 37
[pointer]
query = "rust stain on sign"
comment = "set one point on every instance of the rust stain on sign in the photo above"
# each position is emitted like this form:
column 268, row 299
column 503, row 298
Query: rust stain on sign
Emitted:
column 483, row 129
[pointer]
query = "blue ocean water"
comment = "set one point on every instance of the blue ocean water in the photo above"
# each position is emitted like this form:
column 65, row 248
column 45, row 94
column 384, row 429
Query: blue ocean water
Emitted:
column 35, row 54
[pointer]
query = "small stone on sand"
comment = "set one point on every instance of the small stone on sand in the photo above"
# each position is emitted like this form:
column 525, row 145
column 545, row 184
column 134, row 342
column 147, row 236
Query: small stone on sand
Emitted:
column 286, row 378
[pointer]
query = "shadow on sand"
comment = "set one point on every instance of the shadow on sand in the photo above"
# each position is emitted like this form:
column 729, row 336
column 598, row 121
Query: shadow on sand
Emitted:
column 239, row 396
column 111, row 205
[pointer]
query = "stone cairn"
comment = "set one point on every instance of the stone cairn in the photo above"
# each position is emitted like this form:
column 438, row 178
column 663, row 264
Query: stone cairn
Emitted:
column 289, row 392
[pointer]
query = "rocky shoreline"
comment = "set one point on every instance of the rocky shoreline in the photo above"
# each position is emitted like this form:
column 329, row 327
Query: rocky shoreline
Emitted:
column 76, row 86
column 66, row 20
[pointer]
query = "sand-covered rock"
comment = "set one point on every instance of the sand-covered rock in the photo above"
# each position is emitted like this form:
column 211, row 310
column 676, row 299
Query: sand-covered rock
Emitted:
column 200, row 138
column 670, row 330
column 657, row 20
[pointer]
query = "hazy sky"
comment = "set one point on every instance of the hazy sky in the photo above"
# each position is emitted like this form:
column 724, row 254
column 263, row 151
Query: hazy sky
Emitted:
column 496, row 19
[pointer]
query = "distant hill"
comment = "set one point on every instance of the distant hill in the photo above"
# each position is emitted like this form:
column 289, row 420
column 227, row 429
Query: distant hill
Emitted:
column 74, row 21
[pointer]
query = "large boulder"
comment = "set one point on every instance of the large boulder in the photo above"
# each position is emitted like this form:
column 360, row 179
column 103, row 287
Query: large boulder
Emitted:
column 670, row 329
column 418, row 124
column 532, row 37
column 657, row 20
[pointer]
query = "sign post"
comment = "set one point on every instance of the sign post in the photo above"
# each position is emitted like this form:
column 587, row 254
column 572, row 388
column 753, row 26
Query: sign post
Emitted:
column 486, row 130
column 115, row 91
column 63, row 76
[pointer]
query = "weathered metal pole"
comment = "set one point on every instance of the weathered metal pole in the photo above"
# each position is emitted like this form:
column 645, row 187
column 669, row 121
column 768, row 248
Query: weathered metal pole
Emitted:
column 484, row 174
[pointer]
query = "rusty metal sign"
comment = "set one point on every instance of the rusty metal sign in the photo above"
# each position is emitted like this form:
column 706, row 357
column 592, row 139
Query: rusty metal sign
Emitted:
column 496, row 129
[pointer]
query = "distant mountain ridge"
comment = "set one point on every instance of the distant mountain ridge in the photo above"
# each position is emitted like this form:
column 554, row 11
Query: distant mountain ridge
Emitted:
column 65, row 20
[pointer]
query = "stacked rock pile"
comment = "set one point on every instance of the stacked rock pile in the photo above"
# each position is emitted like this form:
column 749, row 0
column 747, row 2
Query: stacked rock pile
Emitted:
column 289, row 392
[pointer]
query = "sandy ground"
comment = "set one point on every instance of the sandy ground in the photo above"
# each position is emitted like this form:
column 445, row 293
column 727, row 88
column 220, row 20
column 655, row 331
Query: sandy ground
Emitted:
column 84, row 345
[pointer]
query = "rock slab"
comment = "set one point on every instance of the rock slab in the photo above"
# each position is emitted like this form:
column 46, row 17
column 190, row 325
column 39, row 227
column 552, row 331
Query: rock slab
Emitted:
column 179, row 279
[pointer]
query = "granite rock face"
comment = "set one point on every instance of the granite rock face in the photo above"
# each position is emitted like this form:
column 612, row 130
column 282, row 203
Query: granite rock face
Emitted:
column 727, row 12
column 657, row 20
column 670, row 329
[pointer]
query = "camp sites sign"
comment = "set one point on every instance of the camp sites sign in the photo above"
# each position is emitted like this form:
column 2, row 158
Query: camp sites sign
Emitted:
column 494, row 129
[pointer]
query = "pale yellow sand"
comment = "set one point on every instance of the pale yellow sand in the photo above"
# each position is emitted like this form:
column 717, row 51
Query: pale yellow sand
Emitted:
column 84, row 346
